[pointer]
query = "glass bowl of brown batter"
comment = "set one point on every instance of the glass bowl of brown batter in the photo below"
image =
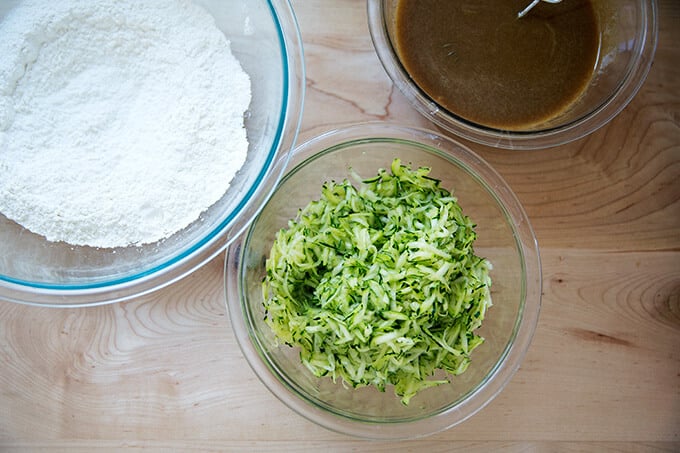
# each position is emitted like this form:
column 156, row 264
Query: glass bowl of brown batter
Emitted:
column 504, row 237
column 111, row 63
column 550, row 77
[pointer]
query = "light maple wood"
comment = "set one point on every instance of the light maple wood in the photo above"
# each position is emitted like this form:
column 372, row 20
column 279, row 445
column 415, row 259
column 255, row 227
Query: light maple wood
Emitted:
column 603, row 373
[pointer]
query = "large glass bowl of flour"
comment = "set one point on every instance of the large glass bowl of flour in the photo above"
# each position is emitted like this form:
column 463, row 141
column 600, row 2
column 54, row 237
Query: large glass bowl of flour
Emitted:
column 137, row 138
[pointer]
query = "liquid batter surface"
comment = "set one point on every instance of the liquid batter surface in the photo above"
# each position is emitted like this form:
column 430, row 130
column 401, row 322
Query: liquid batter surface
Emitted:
column 479, row 61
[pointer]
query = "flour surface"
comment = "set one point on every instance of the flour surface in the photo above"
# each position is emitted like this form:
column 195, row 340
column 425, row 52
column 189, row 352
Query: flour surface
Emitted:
column 120, row 120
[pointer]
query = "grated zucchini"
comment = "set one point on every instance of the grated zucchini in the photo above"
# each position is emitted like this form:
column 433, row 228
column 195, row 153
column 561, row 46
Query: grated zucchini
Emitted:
column 379, row 285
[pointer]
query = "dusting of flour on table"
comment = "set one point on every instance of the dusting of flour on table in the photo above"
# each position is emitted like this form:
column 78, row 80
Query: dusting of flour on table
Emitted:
column 121, row 121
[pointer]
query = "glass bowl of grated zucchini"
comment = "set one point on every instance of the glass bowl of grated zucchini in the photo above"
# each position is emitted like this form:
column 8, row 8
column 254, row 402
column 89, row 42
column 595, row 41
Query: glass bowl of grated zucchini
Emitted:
column 391, row 285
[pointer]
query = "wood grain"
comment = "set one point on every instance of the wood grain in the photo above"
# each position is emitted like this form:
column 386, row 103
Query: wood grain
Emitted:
column 164, row 372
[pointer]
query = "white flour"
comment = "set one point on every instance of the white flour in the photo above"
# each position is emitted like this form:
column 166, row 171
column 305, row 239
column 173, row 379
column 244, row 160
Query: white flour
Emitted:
column 120, row 120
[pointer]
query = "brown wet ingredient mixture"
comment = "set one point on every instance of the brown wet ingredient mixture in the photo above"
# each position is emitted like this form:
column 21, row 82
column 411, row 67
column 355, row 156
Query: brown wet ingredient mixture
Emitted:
column 479, row 61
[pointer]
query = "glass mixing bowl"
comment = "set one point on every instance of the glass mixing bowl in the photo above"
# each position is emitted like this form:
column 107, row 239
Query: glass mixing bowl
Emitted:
column 505, row 237
column 628, row 36
column 265, row 39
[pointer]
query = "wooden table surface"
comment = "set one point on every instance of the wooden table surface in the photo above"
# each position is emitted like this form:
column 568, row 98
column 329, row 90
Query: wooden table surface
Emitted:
column 602, row 373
